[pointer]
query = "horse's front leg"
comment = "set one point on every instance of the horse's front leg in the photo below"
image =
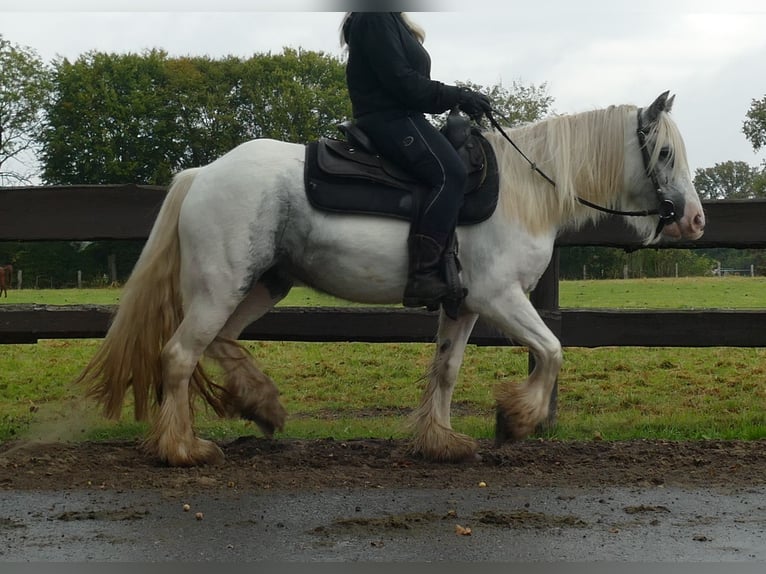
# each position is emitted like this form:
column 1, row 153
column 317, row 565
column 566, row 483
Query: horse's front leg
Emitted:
column 522, row 407
column 434, row 437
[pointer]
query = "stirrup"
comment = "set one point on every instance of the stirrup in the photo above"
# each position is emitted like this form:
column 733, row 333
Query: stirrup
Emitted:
column 415, row 301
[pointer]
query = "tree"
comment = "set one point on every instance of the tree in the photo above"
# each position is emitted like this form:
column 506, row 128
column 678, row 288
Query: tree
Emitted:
column 295, row 96
column 519, row 104
column 754, row 126
column 129, row 118
column 108, row 121
column 611, row 263
column 729, row 180
column 24, row 89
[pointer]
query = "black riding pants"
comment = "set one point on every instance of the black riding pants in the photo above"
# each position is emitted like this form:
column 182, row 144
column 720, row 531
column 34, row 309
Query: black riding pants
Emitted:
column 414, row 144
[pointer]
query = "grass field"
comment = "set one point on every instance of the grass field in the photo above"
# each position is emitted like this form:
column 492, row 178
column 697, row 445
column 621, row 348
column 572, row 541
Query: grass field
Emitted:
column 680, row 293
column 350, row 390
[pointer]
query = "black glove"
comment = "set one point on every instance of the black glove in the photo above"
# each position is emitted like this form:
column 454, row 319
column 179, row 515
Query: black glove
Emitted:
column 475, row 104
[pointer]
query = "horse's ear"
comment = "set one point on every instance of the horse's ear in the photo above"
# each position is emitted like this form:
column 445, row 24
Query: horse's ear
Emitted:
column 661, row 104
column 669, row 103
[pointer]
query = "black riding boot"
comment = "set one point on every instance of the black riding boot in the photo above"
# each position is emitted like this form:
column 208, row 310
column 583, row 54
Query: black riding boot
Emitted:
column 425, row 282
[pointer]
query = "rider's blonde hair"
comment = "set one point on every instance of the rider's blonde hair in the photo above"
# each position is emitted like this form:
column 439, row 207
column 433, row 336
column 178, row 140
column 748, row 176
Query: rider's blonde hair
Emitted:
column 416, row 30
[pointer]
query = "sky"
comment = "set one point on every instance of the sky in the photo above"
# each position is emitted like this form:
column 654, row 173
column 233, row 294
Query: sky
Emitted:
column 589, row 53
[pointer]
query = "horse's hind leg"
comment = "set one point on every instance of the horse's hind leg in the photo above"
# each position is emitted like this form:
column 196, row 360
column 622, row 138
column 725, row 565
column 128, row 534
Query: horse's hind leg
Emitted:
column 434, row 437
column 251, row 394
column 172, row 436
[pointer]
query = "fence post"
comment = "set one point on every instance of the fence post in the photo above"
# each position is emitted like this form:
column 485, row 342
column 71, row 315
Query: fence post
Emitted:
column 79, row 279
column 546, row 297
column 112, row 262
column 19, row 281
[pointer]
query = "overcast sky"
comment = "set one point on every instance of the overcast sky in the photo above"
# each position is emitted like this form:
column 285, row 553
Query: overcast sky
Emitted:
column 590, row 53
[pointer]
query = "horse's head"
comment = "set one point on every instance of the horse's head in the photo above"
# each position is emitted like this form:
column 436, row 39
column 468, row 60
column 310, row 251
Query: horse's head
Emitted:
column 658, row 177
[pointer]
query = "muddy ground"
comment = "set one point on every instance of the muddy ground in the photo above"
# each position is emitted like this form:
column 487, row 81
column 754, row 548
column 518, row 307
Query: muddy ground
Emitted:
column 284, row 464
column 369, row 500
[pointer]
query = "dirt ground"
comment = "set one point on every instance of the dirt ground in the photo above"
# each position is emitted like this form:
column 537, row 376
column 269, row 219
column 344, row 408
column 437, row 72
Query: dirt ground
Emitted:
column 305, row 465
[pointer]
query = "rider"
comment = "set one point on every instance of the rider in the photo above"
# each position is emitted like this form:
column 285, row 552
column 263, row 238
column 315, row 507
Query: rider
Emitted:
column 389, row 83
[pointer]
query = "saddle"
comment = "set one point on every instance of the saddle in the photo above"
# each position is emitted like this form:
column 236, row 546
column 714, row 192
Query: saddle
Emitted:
column 351, row 177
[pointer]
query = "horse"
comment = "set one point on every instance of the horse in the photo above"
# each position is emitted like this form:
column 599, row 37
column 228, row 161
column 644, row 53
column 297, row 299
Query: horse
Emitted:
column 233, row 236
column 5, row 271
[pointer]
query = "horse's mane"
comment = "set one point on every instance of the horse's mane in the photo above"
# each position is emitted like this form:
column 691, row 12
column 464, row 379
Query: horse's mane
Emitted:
column 583, row 153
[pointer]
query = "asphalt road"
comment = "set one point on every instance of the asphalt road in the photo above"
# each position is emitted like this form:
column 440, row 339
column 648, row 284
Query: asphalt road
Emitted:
column 510, row 525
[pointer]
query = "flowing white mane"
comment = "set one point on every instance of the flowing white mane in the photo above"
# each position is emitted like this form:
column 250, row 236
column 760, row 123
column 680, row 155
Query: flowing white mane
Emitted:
column 583, row 153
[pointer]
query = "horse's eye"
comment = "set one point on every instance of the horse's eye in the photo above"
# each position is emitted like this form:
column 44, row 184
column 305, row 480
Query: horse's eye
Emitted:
column 664, row 153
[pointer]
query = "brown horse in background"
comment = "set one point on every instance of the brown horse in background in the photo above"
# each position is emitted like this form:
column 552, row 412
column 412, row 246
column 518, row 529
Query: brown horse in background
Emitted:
column 5, row 271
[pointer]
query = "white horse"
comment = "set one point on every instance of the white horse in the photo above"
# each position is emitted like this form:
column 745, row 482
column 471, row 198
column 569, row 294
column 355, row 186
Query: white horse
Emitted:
column 232, row 236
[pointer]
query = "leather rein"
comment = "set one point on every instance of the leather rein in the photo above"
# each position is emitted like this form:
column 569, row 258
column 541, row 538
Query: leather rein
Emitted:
column 666, row 209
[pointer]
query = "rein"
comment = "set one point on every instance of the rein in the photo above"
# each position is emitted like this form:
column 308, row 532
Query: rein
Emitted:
column 666, row 208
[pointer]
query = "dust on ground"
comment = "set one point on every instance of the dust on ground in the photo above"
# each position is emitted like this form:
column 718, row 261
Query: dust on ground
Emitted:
column 292, row 464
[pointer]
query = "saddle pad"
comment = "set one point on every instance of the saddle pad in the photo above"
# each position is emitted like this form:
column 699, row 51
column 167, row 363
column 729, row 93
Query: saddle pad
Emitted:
column 340, row 179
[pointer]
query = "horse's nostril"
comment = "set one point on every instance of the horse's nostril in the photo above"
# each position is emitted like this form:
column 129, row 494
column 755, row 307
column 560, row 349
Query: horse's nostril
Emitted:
column 699, row 221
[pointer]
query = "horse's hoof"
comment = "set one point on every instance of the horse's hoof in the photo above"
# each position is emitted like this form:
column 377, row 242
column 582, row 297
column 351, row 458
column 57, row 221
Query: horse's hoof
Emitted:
column 203, row 452
column 436, row 443
column 213, row 456
column 267, row 413
column 503, row 432
column 266, row 426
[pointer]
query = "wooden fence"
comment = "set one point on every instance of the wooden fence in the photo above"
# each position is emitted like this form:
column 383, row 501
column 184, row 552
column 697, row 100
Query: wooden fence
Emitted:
column 82, row 213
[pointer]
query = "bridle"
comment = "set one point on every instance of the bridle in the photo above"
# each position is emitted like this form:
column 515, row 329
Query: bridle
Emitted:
column 666, row 209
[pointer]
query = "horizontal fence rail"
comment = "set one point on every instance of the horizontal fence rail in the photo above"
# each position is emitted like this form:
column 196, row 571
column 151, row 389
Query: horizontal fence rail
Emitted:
column 85, row 213
column 575, row 327
column 93, row 212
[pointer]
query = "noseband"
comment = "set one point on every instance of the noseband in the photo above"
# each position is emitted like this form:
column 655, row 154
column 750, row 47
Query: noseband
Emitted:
column 666, row 209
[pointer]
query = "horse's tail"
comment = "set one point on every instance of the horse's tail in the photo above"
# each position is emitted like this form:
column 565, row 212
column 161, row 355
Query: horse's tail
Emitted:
column 149, row 312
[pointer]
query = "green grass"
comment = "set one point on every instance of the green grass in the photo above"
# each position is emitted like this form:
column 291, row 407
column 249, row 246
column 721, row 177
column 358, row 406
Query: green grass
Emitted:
column 680, row 293
column 348, row 390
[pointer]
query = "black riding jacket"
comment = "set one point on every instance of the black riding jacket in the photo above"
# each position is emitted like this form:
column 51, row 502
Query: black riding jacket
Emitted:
column 388, row 69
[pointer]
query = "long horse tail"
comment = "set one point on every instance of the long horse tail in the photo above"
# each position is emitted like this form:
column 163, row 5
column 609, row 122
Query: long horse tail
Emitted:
column 149, row 312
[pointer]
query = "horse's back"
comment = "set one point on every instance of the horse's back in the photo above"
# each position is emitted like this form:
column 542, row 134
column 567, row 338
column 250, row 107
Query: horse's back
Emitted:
column 253, row 169
column 262, row 153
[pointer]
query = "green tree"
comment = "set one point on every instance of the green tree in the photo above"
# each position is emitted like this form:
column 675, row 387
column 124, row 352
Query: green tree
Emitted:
column 519, row 104
column 754, row 126
column 108, row 121
column 295, row 96
column 139, row 118
column 591, row 262
column 729, row 180
column 25, row 84
column 612, row 263
column 201, row 107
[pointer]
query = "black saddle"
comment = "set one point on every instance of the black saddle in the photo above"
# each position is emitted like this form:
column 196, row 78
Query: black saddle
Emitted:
column 351, row 177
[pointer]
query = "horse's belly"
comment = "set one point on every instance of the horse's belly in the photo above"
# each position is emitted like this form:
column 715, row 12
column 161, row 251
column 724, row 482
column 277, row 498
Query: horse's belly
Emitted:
column 356, row 258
